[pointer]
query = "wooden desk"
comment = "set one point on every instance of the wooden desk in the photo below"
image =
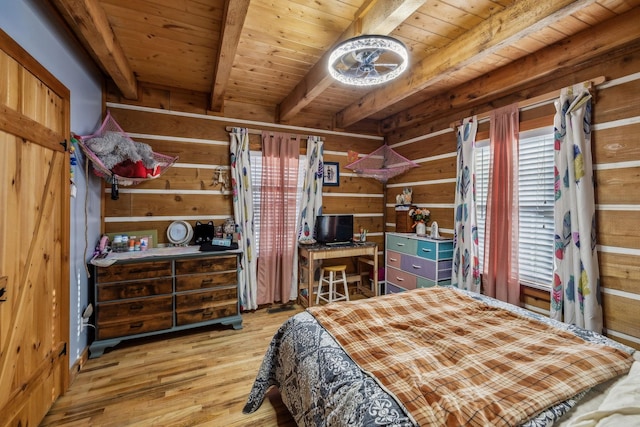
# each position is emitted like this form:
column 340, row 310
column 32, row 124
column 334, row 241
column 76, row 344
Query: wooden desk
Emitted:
column 309, row 255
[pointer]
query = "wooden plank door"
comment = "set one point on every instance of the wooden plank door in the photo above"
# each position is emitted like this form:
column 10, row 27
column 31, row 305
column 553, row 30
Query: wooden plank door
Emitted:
column 34, row 237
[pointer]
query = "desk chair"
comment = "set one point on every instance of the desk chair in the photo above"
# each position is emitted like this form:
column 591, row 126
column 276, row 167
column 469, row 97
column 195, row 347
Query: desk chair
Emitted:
column 332, row 294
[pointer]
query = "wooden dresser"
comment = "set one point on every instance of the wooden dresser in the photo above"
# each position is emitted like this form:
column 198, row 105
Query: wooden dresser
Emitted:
column 145, row 296
column 413, row 262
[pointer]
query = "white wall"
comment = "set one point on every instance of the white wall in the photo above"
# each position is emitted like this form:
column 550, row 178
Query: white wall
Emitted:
column 31, row 25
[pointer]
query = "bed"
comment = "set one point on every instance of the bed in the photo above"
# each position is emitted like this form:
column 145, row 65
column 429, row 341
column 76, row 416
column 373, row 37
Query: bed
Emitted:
column 437, row 356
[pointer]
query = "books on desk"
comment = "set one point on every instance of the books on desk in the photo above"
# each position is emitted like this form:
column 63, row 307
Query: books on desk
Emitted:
column 221, row 242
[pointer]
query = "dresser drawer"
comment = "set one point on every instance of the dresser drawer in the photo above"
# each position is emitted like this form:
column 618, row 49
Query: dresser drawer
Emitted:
column 132, row 309
column 134, row 289
column 198, row 300
column 393, row 259
column 216, row 311
column 401, row 278
column 206, row 265
column 426, row 283
column 435, row 250
column 203, row 281
column 444, row 269
column 419, row 266
column 134, row 326
column 427, row 249
column 139, row 270
column 393, row 289
column 445, row 250
column 402, row 244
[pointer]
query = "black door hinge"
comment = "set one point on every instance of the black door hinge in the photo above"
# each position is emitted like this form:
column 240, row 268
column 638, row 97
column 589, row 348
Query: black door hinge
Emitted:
column 63, row 351
column 64, row 144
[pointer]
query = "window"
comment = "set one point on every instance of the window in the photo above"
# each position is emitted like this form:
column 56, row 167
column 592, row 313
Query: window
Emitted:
column 536, row 194
column 256, row 182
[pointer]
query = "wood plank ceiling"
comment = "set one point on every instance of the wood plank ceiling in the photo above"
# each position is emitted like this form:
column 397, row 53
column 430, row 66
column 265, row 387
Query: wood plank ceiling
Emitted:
column 272, row 53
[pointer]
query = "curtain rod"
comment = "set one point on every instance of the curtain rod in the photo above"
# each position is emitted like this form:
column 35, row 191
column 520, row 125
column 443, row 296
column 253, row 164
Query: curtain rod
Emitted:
column 588, row 84
column 259, row 132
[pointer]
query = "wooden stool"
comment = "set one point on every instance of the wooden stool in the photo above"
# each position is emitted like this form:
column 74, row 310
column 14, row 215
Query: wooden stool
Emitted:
column 332, row 294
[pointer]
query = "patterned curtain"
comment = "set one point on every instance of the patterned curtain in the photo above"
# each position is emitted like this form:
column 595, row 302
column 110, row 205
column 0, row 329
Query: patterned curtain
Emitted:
column 466, row 268
column 278, row 231
column 500, row 276
column 575, row 296
column 243, row 215
column 311, row 202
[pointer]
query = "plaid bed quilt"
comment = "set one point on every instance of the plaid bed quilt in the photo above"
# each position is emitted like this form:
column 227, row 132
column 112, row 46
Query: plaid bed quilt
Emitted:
column 452, row 360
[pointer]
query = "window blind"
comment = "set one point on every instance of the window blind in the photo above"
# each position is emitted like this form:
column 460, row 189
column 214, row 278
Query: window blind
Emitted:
column 536, row 194
column 256, row 183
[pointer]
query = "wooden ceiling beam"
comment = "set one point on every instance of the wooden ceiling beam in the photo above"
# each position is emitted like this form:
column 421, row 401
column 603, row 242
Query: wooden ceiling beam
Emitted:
column 88, row 19
column 520, row 20
column 381, row 18
column 563, row 55
column 235, row 12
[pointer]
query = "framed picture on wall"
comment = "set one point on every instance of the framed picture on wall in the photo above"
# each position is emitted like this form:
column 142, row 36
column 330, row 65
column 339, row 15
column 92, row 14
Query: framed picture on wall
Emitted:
column 331, row 175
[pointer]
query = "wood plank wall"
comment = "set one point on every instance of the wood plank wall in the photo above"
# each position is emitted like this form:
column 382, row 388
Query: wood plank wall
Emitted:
column 616, row 154
column 185, row 191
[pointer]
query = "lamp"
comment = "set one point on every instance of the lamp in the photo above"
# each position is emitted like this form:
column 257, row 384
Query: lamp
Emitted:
column 368, row 60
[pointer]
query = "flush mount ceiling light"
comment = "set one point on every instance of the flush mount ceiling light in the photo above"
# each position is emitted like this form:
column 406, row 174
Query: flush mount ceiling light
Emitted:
column 368, row 60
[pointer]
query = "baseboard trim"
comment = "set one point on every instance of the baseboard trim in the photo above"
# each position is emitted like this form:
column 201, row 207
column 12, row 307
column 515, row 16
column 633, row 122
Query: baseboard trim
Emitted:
column 77, row 366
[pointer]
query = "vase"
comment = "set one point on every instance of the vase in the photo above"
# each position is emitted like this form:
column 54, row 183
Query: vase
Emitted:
column 421, row 228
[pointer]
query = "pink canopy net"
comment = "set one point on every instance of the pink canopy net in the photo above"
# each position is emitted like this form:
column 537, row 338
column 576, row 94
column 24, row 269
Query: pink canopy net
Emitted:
column 119, row 159
column 110, row 147
column 382, row 164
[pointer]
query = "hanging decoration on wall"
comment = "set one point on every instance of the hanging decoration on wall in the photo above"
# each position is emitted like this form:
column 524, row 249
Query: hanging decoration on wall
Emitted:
column 221, row 179
column 119, row 159
column 382, row 164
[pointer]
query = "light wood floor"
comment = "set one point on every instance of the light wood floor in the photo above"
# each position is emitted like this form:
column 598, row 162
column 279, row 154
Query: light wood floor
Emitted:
column 199, row 378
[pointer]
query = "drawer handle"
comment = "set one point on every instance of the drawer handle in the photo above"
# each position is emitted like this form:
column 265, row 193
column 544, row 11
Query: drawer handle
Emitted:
column 135, row 307
column 137, row 289
column 206, row 264
column 207, row 314
column 393, row 259
column 416, row 267
column 207, row 281
column 206, row 298
column 136, row 325
column 400, row 244
column 399, row 279
column 426, row 250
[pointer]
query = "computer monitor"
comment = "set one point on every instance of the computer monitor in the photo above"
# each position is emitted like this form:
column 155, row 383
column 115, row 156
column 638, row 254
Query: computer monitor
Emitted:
column 334, row 229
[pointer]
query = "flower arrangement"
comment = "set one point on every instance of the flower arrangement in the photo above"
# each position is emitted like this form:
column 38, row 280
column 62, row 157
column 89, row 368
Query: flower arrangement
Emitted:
column 419, row 215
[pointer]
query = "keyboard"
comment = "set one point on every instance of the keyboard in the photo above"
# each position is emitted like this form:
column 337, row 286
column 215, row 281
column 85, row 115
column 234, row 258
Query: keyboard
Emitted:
column 340, row 244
